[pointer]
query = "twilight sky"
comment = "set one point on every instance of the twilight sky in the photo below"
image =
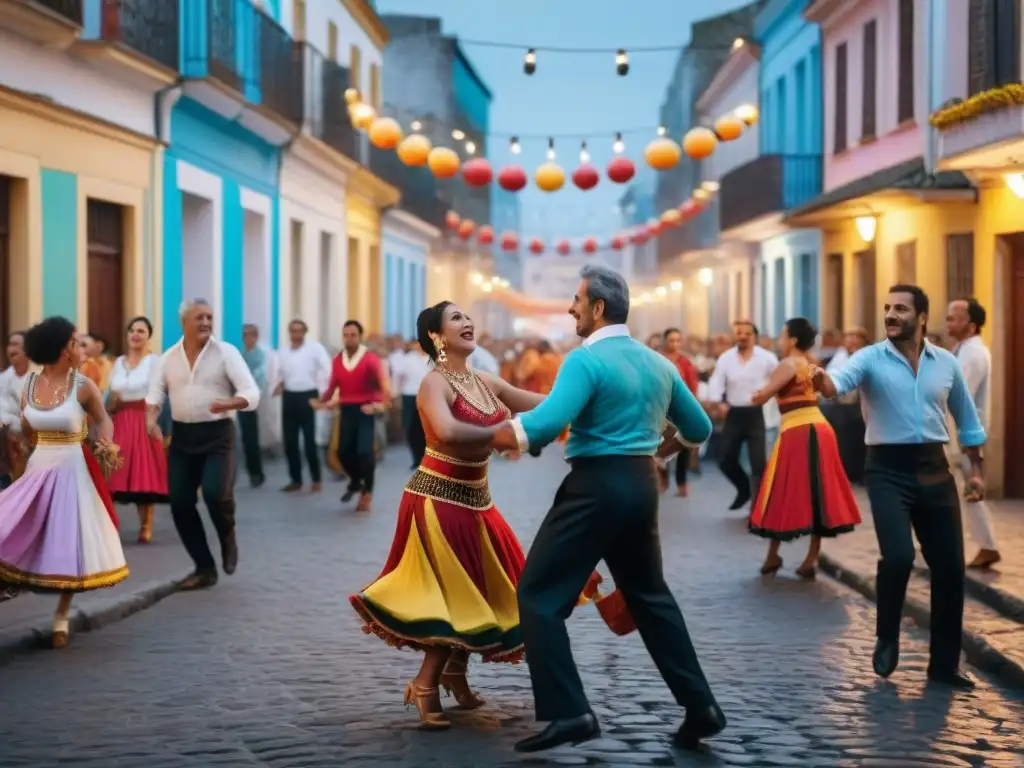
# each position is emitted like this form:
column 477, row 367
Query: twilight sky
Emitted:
column 572, row 94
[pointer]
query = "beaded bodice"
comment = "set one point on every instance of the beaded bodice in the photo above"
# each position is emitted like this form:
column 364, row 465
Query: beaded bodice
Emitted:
column 470, row 413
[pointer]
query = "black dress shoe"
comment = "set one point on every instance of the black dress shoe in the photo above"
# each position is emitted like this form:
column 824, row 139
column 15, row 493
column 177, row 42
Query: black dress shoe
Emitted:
column 199, row 580
column 349, row 495
column 740, row 500
column 953, row 678
column 229, row 554
column 573, row 730
column 702, row 723
column 886, row 657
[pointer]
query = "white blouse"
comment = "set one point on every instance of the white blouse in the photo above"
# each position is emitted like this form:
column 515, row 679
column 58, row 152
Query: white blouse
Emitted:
column 131, row 384
column 11, row 386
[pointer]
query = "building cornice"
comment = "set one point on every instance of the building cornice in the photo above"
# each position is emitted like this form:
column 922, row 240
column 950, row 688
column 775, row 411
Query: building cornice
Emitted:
column 828, row 13
column 739, row 61
column 325, row 160
column 369, row 22
column 413, row 227
column 45, row 109
column 372, row 189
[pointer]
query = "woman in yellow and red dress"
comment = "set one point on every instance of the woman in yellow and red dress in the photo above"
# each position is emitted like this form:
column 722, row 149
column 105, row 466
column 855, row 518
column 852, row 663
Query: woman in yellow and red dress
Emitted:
column 804, row 490
column 448, row 588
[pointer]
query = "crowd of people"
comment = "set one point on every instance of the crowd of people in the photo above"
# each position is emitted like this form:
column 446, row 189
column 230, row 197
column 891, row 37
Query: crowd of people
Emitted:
column 790, row 421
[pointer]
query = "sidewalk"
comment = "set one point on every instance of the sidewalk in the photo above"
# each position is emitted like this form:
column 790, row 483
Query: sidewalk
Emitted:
column 994, row 611
column 156, row 569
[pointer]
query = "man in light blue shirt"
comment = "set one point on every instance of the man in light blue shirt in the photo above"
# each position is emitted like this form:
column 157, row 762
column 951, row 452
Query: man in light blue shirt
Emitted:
column 614, row 393
column 906, row 384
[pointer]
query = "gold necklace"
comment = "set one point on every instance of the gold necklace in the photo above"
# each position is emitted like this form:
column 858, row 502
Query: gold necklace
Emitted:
column 463, row 378
column 490, row 403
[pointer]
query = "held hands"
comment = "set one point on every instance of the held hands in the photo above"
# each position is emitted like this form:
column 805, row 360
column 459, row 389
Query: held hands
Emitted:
column 975, row 489
column 817, row 375
column 155, row 432
column 505, row 440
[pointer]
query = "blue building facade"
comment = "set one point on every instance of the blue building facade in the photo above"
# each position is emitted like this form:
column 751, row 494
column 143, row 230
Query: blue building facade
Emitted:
column 240, row 101
column 791, row 127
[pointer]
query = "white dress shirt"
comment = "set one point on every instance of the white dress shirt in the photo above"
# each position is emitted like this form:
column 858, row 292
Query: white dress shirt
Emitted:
column 11, row 386
column 738, row 379
column 220, row 373
column 483, row 361
column 410, row 372
column 304, row 368
column 976, row 362
column 132, row 384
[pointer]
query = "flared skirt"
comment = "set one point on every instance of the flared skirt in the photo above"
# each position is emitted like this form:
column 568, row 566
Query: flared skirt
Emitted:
column 142, row 479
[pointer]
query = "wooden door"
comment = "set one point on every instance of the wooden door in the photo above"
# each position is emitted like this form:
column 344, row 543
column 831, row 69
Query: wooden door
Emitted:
column 868, row 289
column 105, row 284
column 1013, row 482
column 836, row 292
column 906, row 263
column 5, row 267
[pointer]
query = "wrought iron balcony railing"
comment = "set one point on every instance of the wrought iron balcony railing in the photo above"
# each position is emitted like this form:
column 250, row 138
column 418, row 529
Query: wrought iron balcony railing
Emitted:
column 224, row 61
column 324, row 109
column 149, row 27
column 278, row 68
column 69, row 9
column 768, row 184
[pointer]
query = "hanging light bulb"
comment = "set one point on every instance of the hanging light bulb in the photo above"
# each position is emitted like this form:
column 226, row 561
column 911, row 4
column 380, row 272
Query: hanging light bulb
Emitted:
column 513, row 145
column 622, row 62
column 661, row 130
column 458, row 135
column 618, row 147
column 470, row 148
column 584, row 155
column 416, row 125
column 551, row 150
column 530, row 62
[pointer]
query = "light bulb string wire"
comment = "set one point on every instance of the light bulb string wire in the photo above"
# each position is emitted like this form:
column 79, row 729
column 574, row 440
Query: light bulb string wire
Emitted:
column 584, row 50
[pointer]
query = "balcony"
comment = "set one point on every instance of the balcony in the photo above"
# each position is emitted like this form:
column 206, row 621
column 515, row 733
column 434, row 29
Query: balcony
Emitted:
column 239, row 63
column 136, row 41
column 770, row 184
column 324, row 107
column 53, row 23
column 417, row 186
column 993, row 140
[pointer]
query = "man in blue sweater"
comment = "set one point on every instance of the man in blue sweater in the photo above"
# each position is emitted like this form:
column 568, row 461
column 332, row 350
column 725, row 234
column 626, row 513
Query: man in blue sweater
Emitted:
column 615, row 393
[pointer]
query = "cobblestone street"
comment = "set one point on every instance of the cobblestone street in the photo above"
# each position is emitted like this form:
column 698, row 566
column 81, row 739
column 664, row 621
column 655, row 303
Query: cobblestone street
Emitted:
column 269, row 668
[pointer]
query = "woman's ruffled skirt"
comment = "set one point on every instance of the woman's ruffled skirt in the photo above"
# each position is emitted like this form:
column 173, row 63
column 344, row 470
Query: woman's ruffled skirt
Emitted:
column 58, row 529
column 142, row 479
column 804, row 490
column 450, row 579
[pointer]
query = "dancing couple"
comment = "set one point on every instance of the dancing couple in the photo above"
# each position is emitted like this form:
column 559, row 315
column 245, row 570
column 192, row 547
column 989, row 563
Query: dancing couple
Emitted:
column 456, row 581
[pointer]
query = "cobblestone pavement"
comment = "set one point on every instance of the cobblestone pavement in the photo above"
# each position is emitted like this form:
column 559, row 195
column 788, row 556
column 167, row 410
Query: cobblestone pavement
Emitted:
column 270, row 669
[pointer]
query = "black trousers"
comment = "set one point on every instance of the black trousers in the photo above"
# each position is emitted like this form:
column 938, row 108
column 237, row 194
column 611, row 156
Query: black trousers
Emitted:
column 605, row 509
column 413, row 428
column 743, row 424
column 249, row 426
column 682, row 466
column 911, row 488
column 356, row 447
column 202, row 455
column 297, row 417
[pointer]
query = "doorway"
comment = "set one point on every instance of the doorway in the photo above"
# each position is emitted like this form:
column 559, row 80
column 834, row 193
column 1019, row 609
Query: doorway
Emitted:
column 868, row 299
column 1013, row 482
column 5, row 267
column 105, row 281
column 197, row 257
column 255, row 272
column 354, row 309
column 835, row 288
column 326, row 315
column 296, row 239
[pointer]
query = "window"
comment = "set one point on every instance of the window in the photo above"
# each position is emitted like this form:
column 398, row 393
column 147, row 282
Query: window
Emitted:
column 839, row 141
column 354, row 66
column 299, row 20
column 375, row 100
column 808, row 287
column 332, row 41
column 959, row 266
column 800, row 107
column 993, row 44
column 870, row 83
column 780, row 296
column 836, row 291
column 867, row 287
column 905, row 103
column 906, row 262
column 780, row 114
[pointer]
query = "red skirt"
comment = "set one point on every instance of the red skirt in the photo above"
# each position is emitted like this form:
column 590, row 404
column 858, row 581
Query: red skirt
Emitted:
column 804, row 490
column 143, row 477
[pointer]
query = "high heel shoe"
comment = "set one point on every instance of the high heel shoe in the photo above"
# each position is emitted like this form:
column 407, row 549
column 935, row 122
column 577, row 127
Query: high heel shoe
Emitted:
column 770, row 568
column 421, row 697
column 807, row 572
column 60, row 632
column 145, row 525
column 455, row 683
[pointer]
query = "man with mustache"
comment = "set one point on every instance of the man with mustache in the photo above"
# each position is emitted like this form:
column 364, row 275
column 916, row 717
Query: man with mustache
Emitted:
column 906, row 382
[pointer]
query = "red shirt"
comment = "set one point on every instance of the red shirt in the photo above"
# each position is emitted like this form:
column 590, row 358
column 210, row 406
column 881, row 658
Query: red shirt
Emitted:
column 358, row 386
column 686, row 369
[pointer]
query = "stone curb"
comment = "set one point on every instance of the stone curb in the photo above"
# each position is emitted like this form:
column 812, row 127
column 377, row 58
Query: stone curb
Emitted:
column 978, row 650
column 34, row 636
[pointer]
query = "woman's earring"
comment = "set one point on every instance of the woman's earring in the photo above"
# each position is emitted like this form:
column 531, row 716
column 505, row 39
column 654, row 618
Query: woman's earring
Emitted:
column 439, row 345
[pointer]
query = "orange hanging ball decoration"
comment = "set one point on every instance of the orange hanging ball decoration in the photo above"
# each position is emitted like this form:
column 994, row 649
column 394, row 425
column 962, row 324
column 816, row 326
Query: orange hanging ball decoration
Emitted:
column 663, row 154
column 443, row 162
column 485, row 236
column 477, row 172
column 362, row 115
column 414, row 150
column 728, row 128
column 671, row 218
column 699, row 143
column 509, row 241
column 536, row 247
column 590, row 245
column 639, row 237
column 466, row 229
column 385, row 133
column 549, row 177
column 621, row 170
column 452, row 220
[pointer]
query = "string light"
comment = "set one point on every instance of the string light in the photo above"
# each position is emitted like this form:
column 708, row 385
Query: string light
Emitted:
column 416, row 125
column 551, row 150
column 584, row 155
column 513, row 146
column 661, row 130
column 710, row 186
column 738, row 43
column 530, row 61
column 622, row 62
column 470, row 148
column 618, row 147
column 458, row 135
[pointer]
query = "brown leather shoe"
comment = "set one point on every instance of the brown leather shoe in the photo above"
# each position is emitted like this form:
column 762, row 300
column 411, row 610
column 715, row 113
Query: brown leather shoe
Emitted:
column 682, row 491
column 291, row 488
column 985, row 558
column 316, row 488
column 365, row 500
column 199, row 580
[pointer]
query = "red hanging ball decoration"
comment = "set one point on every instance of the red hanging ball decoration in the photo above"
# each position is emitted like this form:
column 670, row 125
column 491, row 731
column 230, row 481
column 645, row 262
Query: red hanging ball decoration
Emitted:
column 590, row 245
column 485, row 236
column 563, row 248
column 536, row 247
column 689, row 209
column 451, row 220
column 466, row 229
column 618, row 242
column 639, row 237
column 586, row 177
column 512, row 178
column 477, row 172
column 654, row 227
column 621, row 170
column 509, row 241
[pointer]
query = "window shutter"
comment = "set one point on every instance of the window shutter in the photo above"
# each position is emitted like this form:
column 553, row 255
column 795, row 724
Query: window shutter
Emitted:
column 839, row 143
column 905, row 106
column 906, row 263
column 1006, row 28
column 981, row 33
column 870, row 106
column 959, row 266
